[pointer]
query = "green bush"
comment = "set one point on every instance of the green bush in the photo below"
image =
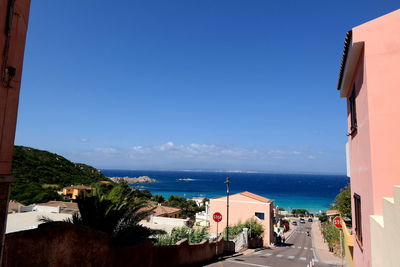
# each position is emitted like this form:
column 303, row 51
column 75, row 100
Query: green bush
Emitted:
column 323, row 218
column 331, row 234
column 179, row 233
column 255, row 229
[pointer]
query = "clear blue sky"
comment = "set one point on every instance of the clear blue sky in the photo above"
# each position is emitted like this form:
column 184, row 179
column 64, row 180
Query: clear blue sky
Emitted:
column 247, row 85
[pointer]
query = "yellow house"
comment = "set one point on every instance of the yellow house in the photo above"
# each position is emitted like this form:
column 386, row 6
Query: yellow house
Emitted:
column 74, row 190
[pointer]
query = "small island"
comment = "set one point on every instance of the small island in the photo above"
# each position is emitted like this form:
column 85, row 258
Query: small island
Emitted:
column 133, row 180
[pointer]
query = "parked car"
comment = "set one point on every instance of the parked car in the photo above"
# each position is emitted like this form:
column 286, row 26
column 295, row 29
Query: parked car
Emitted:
column 309, row 219
column 302, row 220
column 294, row 223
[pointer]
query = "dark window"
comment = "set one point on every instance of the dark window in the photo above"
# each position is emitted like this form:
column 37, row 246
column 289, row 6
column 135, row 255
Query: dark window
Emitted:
column 357, row 217
column 352, row 106
column 259, row 215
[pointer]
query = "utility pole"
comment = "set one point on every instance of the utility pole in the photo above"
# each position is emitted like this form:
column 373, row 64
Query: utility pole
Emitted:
column 13, row 26
column 227, row 182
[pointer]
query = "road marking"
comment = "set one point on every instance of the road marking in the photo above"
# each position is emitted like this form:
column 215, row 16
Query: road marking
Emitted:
column 279, row 255
column 268, row 254
column 305, row 247
column 258, row 252
column 302, row 258
column 293, row 246
column 315, row 260
column 298, row 247
column 247, row 263
column 290, row 257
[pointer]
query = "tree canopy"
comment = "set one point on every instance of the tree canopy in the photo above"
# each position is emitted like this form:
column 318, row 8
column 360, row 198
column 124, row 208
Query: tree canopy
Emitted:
column 343, row 202
column 299, row 211
column 188, row 207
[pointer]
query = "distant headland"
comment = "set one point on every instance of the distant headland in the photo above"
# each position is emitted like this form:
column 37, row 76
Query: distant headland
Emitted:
column 133, row 180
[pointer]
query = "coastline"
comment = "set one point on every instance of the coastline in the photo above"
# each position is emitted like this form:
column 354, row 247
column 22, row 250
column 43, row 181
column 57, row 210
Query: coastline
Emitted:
column 311, row 192
column 288, row 203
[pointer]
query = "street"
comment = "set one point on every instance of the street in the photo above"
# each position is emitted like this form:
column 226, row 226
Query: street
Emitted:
column 296, row 252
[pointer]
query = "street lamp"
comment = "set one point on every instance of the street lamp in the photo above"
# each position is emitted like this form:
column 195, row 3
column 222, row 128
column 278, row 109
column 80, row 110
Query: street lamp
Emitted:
column 227, row 182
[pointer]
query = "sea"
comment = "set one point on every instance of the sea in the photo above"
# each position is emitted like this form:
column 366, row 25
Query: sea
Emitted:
column 314, row 192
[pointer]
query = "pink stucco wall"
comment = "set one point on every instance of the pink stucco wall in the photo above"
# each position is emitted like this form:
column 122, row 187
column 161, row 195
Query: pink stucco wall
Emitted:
column 360, row 163
column 242, row 208
column 374, row 160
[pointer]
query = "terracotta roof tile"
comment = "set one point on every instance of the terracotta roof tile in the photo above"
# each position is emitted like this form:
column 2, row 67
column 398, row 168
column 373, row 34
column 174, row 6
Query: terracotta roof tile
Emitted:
column 254, row 196
column 347, row 43
column 80, row 187
column 250, row 195
column 332, row 212
column 162, row 210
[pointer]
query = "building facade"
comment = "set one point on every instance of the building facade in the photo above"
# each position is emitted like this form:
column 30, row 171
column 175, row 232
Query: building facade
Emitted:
column 370, row 81
column 73, row 191
column 244, row 206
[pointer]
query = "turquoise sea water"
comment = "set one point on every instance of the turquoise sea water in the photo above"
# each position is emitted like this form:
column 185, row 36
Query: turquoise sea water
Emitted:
column 309, row 191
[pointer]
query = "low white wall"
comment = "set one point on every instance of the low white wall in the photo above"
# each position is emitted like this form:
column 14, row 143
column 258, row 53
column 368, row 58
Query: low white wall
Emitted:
column 26, row 208
column 168, row 221
column 385, row 233
column 47, row 209
column 30, row 220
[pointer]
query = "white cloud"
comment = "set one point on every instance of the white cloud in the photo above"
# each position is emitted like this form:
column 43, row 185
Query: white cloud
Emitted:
column 192, row 150
column 106, row 150
column 170, row 155
column 196, row 151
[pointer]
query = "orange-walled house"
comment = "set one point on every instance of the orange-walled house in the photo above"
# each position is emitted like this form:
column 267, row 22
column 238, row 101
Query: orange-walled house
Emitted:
column 244, row 206
column 370, row 81
column 73, row 191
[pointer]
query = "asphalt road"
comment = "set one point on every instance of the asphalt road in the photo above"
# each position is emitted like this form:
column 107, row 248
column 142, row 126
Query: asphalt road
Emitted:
column 297, row 252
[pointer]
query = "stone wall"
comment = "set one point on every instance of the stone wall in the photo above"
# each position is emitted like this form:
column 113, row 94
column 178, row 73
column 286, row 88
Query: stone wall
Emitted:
column 64, row 244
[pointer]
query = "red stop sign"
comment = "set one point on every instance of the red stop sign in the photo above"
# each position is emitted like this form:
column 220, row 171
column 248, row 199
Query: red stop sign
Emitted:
column 217, row 217
column 336, row 222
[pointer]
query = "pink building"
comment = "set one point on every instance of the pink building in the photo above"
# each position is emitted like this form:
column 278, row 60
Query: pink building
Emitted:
column 370, row 80
column 244, row 206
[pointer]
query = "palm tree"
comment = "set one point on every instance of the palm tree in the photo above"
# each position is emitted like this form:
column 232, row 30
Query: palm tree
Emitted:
column 117, row 213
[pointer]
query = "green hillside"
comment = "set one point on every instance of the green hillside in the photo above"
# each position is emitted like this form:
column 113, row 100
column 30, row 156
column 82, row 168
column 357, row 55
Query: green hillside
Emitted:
column 40, row 173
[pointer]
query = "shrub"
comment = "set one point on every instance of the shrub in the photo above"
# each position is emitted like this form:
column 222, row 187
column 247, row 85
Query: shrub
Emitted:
column 188, row 207
column 179, row 233
column 331, row 234
column 323, row 218
column 255, row 229
column 343, row 202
